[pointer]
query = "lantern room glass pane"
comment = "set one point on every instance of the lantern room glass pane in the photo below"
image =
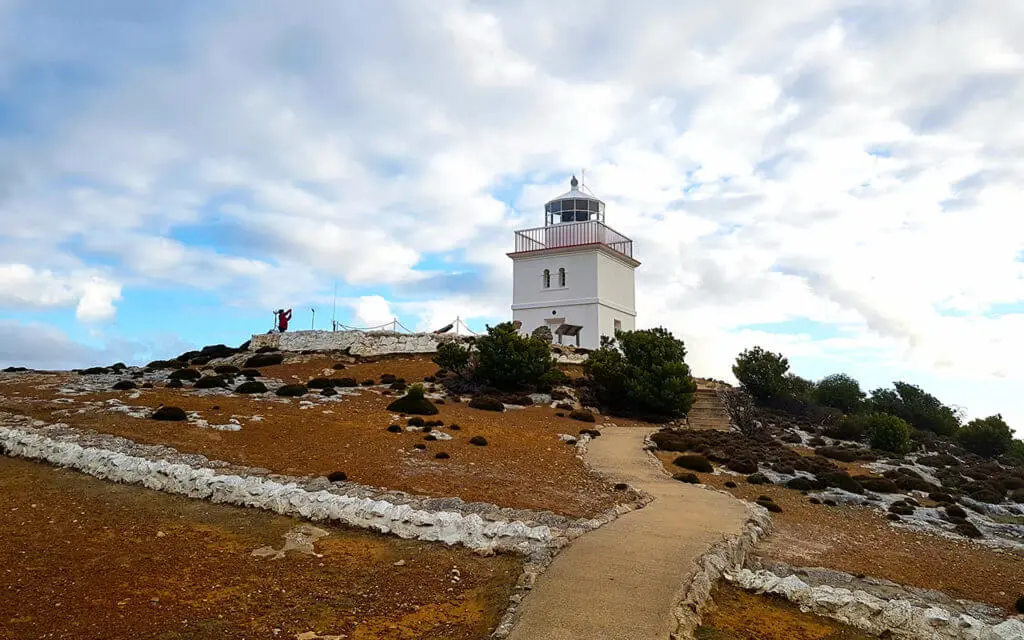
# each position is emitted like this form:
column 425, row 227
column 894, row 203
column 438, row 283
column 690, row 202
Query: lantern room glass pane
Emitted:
column 582, row 216
column 594, row 206
column 555, row 206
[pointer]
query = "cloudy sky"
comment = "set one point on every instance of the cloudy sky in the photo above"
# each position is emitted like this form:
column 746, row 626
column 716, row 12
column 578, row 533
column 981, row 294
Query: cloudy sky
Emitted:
column 841, row 181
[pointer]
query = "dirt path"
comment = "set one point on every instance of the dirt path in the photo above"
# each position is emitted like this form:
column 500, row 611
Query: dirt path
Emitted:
column 622, row 581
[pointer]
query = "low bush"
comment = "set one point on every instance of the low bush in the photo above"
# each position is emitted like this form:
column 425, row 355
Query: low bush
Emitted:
column 955, row 511
column 551, row 379
column 124, row 385
column 642, row 372
column 420, row 446
column 251, row 386
column 394, row 428
column 853, row 427
column 988, row 437
column 1020, row 604
column 730, row 484
column 689, row 478
column 843, row 454
column 292, row 390
column 263, row 360
column 758, row 478
column 486, row 403
column 338, row 366
column 250, row 373
column 841, row 480
column 901, row 508
column 508, row 360
column 388, row 378
column 320, row 383
column 170, row 414
column 582, row 415
column 800, row 484
column 414, row 402
column 452, row 356
column 185, row 374
column 328, row 392
column 769, row 504
column 479, row 441
column 941, row 497
column 226, row 368
column 968, row 530
column 175, row 384
column 401, row 386
column 694, row 462
column 741, row 465
column 441, row 455
column 210, row 382
column 345, row 382
column 416, row 421
column 839, row 391
column 337, row 476
column 368, row 383
column 888, row 433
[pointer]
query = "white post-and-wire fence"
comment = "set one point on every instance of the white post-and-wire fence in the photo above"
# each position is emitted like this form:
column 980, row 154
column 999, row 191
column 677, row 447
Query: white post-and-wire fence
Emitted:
column 458, row 326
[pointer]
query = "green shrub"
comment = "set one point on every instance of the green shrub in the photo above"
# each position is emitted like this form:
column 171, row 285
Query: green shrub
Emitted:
column 988, row 437
column 642, row 371
column 320, row 383
column 345, row 382
column 486, row 403
column 185, row 374
column 210, row 382
column 1015, row 454
column 173, row 414
column 799, row 388
column 509, row 360
column 452, row 356
column 888, row 433
column 414, row 402
column 853, row 427
column 694, row 462
column 839, row 391
column 292, row 390
column 226, row 369
column 251, row 386
column 762, row 374
column 922, row 410
column 554, row 377
column 124, row 385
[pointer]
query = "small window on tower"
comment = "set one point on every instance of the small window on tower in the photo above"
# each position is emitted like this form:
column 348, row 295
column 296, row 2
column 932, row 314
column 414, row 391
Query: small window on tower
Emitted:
column 618, row 326
column 547, row 279
column 561, row 277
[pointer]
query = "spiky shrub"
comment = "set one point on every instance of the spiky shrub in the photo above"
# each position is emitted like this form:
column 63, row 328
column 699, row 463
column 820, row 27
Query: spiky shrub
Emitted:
column 452, row 356
column 508, row 360
column 414, row 402
column 889, row 433
column 988, row 437
column 642, row 371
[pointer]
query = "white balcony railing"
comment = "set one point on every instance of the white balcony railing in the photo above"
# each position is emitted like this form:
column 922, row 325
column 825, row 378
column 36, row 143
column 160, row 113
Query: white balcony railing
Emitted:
column 572, row 234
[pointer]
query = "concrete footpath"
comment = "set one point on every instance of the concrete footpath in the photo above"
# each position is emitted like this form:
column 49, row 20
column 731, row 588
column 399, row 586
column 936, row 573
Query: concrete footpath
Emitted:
column 622, row 581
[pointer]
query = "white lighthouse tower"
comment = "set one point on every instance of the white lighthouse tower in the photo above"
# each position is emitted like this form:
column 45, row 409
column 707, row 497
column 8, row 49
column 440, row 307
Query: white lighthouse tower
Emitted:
column 575, row 274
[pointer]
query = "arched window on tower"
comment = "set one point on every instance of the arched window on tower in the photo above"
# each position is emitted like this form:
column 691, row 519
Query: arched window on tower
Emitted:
column 561, row 276
column 547, row 278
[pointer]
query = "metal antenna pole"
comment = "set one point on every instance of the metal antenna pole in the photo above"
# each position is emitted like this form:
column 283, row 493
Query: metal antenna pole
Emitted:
column 312, row 322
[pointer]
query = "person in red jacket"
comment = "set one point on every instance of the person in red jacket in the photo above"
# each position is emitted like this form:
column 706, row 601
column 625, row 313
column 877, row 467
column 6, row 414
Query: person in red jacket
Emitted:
column 282, row 319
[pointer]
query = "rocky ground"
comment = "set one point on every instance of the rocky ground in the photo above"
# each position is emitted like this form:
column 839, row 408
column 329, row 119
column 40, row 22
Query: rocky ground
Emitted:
column 84, row 558
column 526, row 462
column 931, row 519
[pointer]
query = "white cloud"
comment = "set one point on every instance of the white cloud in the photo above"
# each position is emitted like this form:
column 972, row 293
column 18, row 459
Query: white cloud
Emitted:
column 93, row 296
column 855, row 164
column 373, row 311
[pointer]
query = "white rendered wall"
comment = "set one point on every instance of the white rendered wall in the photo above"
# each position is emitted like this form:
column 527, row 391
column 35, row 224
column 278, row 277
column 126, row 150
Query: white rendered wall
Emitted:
column 580, row 277
column 584, row 315
column 599, row 290
column 616, row 282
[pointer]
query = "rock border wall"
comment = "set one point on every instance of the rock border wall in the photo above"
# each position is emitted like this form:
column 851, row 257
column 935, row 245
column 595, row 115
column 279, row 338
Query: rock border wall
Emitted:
column 478, row 526
column 356, row 343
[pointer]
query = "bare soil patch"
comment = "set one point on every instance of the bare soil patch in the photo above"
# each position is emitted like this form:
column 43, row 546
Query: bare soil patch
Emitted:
column 524, row 464
column 83, row 558
column 859, row 540
column 738, row 615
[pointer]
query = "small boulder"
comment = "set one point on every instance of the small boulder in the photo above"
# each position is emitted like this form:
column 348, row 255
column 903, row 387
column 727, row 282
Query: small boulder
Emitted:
column 582, row 415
